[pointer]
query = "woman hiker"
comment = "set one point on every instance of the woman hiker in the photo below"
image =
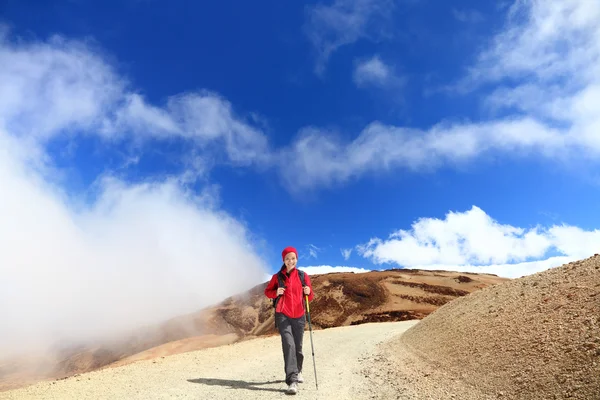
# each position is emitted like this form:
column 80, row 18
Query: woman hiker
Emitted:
column 289, row 314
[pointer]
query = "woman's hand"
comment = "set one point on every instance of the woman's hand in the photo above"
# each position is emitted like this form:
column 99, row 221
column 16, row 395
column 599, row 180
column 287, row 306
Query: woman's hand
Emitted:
column 280, row 291
column 306, row 290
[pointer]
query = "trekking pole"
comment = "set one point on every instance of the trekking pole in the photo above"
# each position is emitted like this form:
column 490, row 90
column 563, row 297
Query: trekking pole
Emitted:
column 311, row 342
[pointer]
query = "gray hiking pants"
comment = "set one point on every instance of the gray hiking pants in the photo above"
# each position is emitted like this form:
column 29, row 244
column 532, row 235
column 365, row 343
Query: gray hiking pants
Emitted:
column 292, row 333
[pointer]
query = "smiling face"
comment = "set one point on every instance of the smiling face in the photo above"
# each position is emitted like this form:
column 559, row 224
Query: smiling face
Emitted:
column 290, row 261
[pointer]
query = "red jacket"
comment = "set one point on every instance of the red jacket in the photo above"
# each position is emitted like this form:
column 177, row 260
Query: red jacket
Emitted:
column 291, row 302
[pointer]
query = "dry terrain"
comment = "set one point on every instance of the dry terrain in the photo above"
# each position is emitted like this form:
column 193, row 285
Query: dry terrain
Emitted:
column 252, row 369
column 537, row 337
column 342, row 299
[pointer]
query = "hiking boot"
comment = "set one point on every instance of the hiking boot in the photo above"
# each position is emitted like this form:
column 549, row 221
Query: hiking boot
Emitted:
column 300, row 378
column 292, row 389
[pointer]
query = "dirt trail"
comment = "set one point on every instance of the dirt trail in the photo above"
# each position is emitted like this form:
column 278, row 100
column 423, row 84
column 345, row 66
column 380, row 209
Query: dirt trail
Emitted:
column 251, row 370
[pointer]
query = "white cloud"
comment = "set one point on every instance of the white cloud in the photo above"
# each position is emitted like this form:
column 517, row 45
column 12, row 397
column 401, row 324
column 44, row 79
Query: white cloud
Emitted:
column 546, row 64
column 374, row 72
column 325, row 269
column 202, row 118
column 319, row 158
column 346, row 253
column 505, row 270
column 267, row 277
column 545, row 42
column 344, row 22
column 140, row 253
column 557, row 109
column 473, row 241
column 51, row 88
column 543, row 68
column 328, row 269
column 48, row 87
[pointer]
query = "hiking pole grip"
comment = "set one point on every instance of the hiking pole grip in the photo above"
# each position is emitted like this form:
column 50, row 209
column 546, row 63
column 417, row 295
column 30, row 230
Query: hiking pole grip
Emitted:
column 312, row 346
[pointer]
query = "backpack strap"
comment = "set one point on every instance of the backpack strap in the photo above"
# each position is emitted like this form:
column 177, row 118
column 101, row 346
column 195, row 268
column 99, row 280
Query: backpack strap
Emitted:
column 280, row 283
column 301, row 275
column 280, row 280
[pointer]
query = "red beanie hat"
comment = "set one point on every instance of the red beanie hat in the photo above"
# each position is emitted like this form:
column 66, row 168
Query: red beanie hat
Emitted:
column 287, row 250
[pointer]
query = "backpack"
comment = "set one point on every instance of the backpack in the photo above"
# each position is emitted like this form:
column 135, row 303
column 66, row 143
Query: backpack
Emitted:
column 280, row 281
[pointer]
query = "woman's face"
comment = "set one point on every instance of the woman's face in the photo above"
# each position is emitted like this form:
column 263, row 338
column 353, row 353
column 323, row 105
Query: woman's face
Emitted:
column 290, row 260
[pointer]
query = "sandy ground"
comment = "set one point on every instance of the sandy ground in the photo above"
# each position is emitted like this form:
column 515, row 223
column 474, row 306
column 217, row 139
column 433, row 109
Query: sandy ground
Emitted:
column 396, row 372
column 251, row 370
column 536, row 337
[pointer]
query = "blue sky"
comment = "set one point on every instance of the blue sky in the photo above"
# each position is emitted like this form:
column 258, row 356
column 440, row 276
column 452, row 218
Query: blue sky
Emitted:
column 158, row 144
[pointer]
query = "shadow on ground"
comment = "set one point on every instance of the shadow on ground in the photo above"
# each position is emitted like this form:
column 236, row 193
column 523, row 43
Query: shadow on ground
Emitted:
column 233, row 384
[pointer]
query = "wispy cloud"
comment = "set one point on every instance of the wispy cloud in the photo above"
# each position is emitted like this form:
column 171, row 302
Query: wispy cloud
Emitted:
column 52, row 86
column 545, row 80
column 547, row 51
column 343, row 22
column 346, row 253
column 203, row 118
column 473, row 241
column 49, row 88
column 320, row 158
column 374, row 72
column 542, row 41
column 542, row 70
column 313, row 251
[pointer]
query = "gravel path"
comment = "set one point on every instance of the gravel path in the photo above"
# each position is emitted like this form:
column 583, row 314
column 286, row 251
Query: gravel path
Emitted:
column 251, row 370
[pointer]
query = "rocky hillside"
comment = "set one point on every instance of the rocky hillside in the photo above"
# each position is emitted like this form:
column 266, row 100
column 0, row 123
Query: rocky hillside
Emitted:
column 348, row 299
column 341, row 299
column 537, row 337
